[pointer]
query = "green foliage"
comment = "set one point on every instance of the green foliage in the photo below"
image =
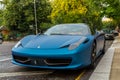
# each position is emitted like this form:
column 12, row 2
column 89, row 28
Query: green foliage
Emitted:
column 19, row 14
column 109, row 25
column 77, row 11
column 68, row 11
column 1, row 17
column 45, row 26
column 112, row 10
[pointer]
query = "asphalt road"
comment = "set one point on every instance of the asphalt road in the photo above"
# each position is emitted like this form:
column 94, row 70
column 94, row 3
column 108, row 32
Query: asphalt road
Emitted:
column 9, row 71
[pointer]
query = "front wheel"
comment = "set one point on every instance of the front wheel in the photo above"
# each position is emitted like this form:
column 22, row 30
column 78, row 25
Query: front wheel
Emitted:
column 93, row 56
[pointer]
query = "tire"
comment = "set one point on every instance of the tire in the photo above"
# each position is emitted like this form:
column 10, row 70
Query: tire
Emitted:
column 93, row 56
column 1, row 41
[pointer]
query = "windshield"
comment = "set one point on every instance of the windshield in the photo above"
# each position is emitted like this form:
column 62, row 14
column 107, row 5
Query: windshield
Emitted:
column 68, row 29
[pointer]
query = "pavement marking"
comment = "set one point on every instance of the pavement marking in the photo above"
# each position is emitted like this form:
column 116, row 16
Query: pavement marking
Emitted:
column 13, row 74
column 78, row 78
column 13, row 66
column 5, row 59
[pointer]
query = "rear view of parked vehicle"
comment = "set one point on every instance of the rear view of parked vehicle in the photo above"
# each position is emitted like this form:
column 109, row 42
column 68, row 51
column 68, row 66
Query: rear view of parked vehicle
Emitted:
column 108, row 34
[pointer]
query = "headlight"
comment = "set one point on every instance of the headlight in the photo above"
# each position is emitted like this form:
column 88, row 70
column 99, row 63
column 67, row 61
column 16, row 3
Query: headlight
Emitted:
column 76, row 44
column 18, row 44
column 73, row 46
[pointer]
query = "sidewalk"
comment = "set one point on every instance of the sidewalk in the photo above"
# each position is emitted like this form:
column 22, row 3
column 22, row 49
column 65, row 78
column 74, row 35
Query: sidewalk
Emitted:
column 109, row 66
column 115, row 70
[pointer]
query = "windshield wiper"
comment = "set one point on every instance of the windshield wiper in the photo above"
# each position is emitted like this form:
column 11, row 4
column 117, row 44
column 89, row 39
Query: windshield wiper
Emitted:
column 57, row 34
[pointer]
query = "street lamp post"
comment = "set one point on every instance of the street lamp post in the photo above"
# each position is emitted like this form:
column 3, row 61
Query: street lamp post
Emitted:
column 35, row 14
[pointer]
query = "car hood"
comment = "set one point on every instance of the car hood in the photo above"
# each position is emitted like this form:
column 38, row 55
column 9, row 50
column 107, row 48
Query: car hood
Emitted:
column 51, row 41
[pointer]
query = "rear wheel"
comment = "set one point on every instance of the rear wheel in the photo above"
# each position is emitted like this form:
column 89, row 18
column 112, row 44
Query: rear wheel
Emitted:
column 93, row 56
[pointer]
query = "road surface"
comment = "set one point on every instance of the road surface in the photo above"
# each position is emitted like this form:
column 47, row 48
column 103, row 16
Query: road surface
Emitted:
column 9, row 71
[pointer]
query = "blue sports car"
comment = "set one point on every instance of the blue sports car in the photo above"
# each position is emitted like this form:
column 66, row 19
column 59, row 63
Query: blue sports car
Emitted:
column 63, row 46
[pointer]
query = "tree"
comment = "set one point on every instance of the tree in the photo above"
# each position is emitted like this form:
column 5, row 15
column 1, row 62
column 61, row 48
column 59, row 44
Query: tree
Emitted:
column 2, row 6
column 19, row 14
column 1, row 17
column 77, row 11
column 67, row 11
column 111, row 10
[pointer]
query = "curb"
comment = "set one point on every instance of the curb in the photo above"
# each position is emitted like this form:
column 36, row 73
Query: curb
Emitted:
column 103, row 69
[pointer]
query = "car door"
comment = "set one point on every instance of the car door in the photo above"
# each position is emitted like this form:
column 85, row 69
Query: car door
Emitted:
column 100, row 42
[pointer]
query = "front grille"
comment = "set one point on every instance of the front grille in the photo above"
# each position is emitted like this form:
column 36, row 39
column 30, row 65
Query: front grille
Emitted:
column 21, row 59
column 29, row 61
column 42, row 61
column 57, row 62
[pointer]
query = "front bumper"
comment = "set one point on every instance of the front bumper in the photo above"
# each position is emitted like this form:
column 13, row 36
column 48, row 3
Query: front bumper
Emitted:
column 57, row 58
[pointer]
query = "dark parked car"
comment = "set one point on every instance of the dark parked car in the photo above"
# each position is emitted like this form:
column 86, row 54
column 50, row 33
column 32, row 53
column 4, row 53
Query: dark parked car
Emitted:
column 108, row 34
column 116, row 33
column 1, row 39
